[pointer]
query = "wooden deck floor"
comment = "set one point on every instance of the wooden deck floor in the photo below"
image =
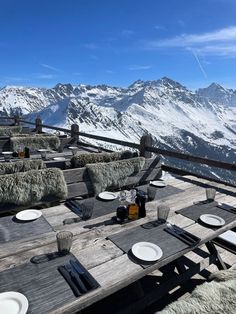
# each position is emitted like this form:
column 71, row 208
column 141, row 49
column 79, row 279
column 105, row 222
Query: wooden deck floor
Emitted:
column 131, row 300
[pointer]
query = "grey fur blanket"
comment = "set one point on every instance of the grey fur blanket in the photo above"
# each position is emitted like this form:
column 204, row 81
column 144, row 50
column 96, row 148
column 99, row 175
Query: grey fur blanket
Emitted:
column 36, row 142
column 113, row 174
column 215, row 297
column 80, row 160
column 26, row 188
column 21, row 166
column 9, row 130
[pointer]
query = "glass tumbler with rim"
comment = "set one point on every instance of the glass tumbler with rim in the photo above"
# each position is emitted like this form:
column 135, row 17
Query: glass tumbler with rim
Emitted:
column 64, row 241
column 162, row 213
column 210, row 194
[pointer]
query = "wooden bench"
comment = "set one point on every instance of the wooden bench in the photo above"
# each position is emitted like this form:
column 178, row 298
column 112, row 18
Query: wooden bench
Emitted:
column 79, row 183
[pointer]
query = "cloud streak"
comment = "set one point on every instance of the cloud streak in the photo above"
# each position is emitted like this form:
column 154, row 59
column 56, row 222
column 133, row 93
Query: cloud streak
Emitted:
column 199, row 64
column 49, row 67
column 221, row 42
column 137, row 67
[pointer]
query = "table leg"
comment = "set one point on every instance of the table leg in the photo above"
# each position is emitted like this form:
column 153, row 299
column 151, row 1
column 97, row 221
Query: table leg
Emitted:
column 213, row 250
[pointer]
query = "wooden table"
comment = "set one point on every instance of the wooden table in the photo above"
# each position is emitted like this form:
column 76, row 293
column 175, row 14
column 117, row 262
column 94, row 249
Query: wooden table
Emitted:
column 105, row 261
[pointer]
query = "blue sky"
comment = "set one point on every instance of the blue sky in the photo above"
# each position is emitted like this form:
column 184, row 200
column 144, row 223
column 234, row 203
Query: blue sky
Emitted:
column 43, row 42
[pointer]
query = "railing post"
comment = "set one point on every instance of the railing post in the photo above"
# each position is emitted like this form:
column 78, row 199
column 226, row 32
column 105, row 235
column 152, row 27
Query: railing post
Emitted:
column 75, row 132
column 38, row 125
column 146, row 140
column 17, row 120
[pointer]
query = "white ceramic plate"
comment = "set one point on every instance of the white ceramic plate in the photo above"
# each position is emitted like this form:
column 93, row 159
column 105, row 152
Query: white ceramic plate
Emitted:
column 108, row 196
column 158, row 183
column 73, row 147
column 147, row 251
column 212, row 220
column 13, row 303
column 59, row 158
column 42, row 150
column 29, row 214
column 7, row 153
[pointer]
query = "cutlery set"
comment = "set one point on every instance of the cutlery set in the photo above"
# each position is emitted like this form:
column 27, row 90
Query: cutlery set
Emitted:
column 78, row 278
column 227, row 207
column 182, row 234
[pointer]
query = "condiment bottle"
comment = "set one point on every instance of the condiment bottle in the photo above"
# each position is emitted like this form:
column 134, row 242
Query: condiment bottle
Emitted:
column 27, row 152
column 133, row 208
column 122, row 211
column 141, row 200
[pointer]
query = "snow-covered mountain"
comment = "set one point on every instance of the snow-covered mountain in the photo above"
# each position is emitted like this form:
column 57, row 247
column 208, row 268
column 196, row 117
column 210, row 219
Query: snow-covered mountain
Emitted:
column 201, row 122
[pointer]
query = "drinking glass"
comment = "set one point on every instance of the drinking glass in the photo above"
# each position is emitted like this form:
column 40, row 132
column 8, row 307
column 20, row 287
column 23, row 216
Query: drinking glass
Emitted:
column 86, row 211
column 151, row 193
column 64, row 241
column 210, row 194
column 162, row 212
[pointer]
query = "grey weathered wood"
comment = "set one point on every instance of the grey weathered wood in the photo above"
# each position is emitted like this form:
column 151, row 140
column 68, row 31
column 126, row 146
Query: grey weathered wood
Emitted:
column 38, row 125
column 75, row 132
column 106, row 262
column 145, row 141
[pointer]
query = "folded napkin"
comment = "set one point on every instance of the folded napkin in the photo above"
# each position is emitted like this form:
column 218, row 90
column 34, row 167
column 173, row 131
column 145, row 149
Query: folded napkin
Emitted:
column 183, row 235
column 77, row 277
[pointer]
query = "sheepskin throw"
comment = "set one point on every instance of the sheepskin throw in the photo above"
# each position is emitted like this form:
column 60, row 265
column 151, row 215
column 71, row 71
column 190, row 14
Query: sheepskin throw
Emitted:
column 80, row 160
column 9, row 130
column 21, row 166
column 36, row 142
column 215, row 297
column 113, row 174
column 26, row 188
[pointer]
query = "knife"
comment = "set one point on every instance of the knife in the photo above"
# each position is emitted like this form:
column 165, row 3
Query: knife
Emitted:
column 187, row 234
column 68, row 279
column 85, row 275
column 227, row 207
column 76, row 278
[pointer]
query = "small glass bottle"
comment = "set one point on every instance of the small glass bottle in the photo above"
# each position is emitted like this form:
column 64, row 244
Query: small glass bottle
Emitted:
column 133, row 208
column 122, row 211
column 21, row 151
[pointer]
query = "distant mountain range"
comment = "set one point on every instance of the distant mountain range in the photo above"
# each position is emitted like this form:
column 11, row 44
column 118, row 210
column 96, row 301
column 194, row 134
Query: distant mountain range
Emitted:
column 201, row 122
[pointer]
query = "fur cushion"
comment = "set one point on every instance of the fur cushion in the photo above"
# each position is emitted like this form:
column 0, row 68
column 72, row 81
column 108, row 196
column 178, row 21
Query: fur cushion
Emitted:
column 9, row 130
column 216, row 297
column 36, row 142
column 26, row 188
column 21, row 166
column 113, row 174
column 80, row 160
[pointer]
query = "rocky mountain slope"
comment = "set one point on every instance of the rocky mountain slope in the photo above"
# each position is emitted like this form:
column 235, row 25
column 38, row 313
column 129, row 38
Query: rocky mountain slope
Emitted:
column 201, row 123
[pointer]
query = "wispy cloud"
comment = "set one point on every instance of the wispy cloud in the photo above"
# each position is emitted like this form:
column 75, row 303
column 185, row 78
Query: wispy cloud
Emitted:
column 137, row 67
column 199, row 63
column 159, row 27
column 45, row 76
column 127, row 32
column 49, row 67
column 90, row 46
column 221, row 42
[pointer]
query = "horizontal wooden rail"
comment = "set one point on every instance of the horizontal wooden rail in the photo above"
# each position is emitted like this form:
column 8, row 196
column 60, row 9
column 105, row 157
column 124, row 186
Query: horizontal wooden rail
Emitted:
column 110, row 140
column 178, row 155
column 48, row 126
column 187, row 157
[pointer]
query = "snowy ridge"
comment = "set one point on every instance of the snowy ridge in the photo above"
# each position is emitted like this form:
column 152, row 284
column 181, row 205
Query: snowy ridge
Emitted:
column 201, row 123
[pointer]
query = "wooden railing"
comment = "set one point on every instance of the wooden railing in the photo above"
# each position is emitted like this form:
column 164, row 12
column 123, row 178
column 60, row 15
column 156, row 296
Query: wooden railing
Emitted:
column 145, row 146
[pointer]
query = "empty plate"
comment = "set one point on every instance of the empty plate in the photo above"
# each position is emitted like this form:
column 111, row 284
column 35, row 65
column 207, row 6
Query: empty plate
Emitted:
column 73, row 147
column 147, row 251
column 59, row 158
column 42, row 150
column 7, row 153
column 159, row 183
column 13, row 303
column 108, row 196
column 29, row 214
column 212, row 220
